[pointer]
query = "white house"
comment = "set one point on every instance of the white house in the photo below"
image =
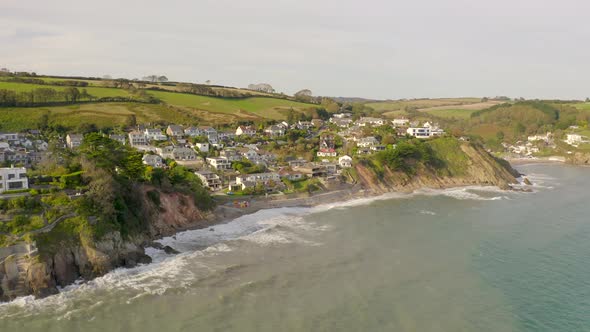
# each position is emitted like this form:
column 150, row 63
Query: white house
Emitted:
column 203, row 147
column 245, row 130
column 137, row 138
column 419, row 132
column 155, row 135
column 368, row 121
column 400, row 122
column 250, row 180
column 74, row 140
column 219, row 163
column 574, row 139
column 366, row 142
column 275, row 130
column 345, row 161
column 209, row 179
column 13, row 178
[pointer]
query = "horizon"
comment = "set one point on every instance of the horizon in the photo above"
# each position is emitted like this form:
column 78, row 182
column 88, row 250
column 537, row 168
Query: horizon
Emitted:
column 402, row 51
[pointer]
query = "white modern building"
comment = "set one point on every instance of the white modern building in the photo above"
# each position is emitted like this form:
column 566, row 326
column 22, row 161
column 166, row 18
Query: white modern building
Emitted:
column 345, row 162
column 13, row 178
column 419, row 132
column 219, row 163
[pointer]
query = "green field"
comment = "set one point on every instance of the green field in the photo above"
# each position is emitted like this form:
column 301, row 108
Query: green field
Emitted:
column 395, row 105
column 271, row 108
column 100, row 114
column 462, row 114
column 94, row 91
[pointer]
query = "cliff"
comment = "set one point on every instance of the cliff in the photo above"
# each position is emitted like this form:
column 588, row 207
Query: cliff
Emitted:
column 462, row 164
column 64, row 255
column 579, row 158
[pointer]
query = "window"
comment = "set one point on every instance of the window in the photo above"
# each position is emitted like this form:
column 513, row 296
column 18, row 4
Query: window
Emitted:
column 22, row 176
column 15, row 185
column 11, row 176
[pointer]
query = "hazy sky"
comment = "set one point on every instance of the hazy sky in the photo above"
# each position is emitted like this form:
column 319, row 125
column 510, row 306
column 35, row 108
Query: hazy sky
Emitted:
column 368, row 48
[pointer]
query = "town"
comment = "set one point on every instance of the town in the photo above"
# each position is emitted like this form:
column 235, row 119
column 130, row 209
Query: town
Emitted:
column 246, row 159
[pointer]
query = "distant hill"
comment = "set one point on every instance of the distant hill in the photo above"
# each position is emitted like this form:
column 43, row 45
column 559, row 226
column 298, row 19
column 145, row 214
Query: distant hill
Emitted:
column 115, row 102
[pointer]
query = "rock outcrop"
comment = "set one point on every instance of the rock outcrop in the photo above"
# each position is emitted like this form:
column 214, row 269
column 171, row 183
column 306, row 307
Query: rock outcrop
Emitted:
column 28, row 270
column 482, row 169
column 579, row 158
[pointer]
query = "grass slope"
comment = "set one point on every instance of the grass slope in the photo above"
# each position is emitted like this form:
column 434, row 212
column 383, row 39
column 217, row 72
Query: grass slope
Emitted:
column 270, row 108
column 95, row 91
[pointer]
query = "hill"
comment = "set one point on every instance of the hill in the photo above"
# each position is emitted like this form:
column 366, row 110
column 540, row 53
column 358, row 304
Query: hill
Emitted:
column 47, row 99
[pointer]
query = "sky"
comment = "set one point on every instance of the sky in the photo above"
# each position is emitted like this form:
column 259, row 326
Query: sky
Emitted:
column 382, row 49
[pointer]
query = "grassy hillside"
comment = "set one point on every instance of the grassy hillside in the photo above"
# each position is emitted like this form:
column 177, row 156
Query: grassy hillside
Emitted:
column 394, row 105
column 174, row 108
column 270, row 108
column 94, row 91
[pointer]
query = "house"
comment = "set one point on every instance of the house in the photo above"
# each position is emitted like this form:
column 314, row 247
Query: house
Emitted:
column 219, row 163
column 183, row 154
column 13, row 178
column 209, row 179
column 378, row 147
column 342, row 115
column 303, row 125
column 10, row 137
column 367, row 142
column 152, row 160
column 400, row 122
column 368, row 121
column 192, row 131
column 345, row 161
column 211, row 134
column 251, row 155
column 274, row 131
column 203, row 147
column 226, row 135
column 291, row 175
column 343, row 123
column 574, row 139
column 327, row 146
column 155, row 135
column 418, row 132
column 311, row 170
column 137, row 138
column 118, row 138
column 230, row 154
column 297, row 162
column 245, row 130
column 74, row 140
column 545, row 138
column 271, row 181
column 174, row 131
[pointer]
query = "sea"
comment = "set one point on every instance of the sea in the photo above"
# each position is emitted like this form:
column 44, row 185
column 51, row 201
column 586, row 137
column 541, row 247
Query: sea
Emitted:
column 463, row 259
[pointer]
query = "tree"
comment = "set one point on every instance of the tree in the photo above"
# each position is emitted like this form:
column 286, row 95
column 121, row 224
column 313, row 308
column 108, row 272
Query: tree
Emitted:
column 500, row 135
column 263, row 87
column 304, row 95
column 162, row 79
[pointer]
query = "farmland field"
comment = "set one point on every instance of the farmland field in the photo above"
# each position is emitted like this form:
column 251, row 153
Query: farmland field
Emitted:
column 451, row 113
column 100, row 114
column 94, row 91
column 264, row 107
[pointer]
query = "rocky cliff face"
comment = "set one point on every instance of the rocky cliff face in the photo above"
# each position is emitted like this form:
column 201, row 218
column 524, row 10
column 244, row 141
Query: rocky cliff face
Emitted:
column 579, row 158
column 481, row 169
column 27, row 270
